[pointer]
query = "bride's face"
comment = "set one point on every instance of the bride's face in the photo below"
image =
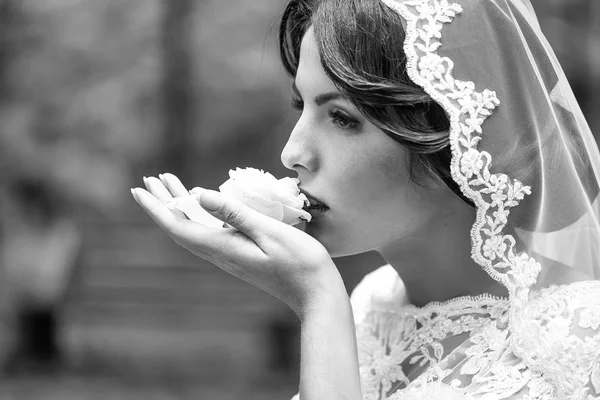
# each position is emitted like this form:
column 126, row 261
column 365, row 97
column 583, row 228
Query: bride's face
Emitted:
column 352, row 167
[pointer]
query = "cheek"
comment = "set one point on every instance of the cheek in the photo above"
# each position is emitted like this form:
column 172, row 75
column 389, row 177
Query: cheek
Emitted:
column 378, row 182
column 373, row 203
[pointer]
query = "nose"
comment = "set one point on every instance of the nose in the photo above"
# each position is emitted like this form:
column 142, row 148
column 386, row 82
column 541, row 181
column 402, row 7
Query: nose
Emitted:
column 299, row 153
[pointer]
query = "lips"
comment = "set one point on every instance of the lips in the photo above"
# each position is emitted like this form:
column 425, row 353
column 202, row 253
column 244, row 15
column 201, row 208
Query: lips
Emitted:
column 315, row 203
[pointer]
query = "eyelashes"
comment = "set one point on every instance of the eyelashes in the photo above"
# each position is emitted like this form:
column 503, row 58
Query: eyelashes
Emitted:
column 338, row 117
column 343, row 121
column 297, row 103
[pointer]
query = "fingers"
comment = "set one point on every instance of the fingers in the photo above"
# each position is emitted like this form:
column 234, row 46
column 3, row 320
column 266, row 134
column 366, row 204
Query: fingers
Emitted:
column 255, row 225
column 209, row 243
column 174, row 185
column 166, row 188
column 157, row 188
column 159, row 212
column 233, row 212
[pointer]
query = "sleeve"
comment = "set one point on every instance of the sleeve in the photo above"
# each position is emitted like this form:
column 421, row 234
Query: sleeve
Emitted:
column 379, row 289
column 558, row 337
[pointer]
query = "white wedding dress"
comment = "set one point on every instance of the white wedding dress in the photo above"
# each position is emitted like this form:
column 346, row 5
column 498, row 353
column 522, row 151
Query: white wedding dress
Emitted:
column 463, row 349
column 405, row 351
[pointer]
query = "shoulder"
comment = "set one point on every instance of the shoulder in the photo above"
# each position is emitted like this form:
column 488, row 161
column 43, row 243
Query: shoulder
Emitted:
column 558, row 334
column 381, row 289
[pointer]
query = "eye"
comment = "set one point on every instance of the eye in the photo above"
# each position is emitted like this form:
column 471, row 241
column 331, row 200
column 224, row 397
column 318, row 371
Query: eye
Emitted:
column 297, row 103
column 342, row 120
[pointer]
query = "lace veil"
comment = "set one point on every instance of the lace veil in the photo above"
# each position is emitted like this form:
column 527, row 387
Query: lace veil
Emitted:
column 521, row 148
column 522, row 151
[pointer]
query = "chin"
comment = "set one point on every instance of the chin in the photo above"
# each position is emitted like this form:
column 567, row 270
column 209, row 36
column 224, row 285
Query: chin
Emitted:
column 333, row 242
column 317, row 230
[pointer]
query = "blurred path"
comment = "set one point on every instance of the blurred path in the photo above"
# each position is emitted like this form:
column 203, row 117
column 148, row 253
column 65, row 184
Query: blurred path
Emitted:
column 145, row 320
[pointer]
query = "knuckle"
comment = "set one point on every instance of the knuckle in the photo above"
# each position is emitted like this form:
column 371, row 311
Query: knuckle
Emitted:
column 235, row 216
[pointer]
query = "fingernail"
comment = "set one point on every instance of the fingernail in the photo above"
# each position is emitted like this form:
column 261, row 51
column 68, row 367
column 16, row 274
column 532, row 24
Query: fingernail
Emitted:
column 197, row 191
column 161, row 177
column 211, row 200
column 145, row 180
column 133, row 193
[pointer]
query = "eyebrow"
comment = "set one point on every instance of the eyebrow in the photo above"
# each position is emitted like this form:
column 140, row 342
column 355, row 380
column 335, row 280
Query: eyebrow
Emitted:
column 323, row 97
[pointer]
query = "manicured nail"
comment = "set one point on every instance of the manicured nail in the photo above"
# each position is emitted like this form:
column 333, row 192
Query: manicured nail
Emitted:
column 145, row 181
column 133, row 193
column 197, row 191
column 211, row 200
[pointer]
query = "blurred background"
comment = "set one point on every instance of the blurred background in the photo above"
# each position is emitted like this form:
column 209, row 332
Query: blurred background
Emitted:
column 95, row 301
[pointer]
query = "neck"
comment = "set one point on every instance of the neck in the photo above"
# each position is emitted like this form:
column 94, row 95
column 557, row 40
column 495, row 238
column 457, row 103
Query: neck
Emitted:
column 435, row 263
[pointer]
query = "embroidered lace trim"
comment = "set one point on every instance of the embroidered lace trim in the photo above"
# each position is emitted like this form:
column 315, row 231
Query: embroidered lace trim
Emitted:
column 407, row 355
column 493, row 193
column 394, row 345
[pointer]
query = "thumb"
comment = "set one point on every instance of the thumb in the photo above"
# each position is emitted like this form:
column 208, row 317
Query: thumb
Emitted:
column 235, row 213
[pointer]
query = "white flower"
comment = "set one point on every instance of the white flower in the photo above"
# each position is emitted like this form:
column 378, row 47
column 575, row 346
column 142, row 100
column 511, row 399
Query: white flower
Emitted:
column 277, row 198
column 280, row 199
column 425, row 10
column 500, row 216
column 471, row 163
column 519, row 191
column 474, row 124
column 494, row 247
column 486, row 349
column 433, row 29
column 525, row 270
column 466, row 88
column 467, row 104
column 498, row 181
column 590, row 317
column 432, row 67
column 489, row 99
column 497, row 199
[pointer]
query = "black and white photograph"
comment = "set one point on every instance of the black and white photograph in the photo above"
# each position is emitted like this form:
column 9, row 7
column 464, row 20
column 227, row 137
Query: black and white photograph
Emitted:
column 299, row 200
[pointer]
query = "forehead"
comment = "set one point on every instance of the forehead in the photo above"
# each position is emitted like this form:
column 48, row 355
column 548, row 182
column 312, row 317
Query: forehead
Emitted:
column 308, row 47
column 310, row 74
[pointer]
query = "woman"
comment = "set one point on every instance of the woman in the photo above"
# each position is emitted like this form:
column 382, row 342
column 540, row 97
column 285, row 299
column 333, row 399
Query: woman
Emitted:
column 444, row 135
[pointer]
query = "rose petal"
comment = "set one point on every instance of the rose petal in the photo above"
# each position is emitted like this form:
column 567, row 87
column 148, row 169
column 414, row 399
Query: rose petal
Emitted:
column 280, row 199
column 304, row 199
column 252, row 180
column 254, row 176
column 248, row 188
column 270, row 208
column 232, row 189
column 288, row 193
column 193, row 210
column 287, row 200
column 290, row 185
column 292, row 214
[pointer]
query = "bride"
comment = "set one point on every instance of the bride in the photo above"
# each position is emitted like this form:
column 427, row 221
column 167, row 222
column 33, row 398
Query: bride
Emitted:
column 444, row 135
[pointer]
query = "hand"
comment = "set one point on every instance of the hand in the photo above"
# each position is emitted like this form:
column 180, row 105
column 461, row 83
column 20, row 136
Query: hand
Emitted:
column 278, row 258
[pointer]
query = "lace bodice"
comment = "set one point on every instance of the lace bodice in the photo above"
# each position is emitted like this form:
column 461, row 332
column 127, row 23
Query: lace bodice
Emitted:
column 405, row 352
column 464, row 348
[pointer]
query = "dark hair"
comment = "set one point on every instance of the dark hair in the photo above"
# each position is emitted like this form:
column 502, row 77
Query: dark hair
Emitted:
column 361, row 48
